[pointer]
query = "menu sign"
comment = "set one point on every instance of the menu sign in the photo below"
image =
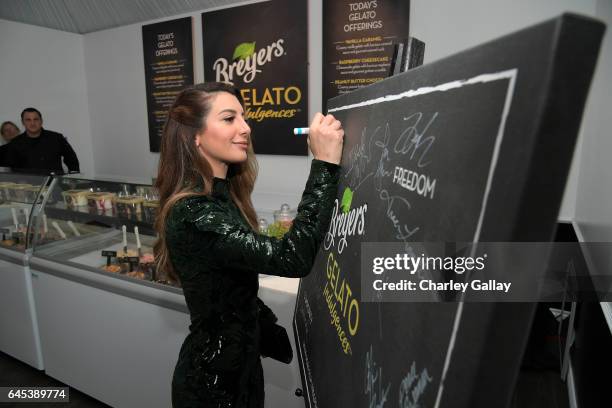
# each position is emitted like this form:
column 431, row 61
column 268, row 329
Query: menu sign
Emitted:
column 266, row 59
column 358, row 42
column 168, row 59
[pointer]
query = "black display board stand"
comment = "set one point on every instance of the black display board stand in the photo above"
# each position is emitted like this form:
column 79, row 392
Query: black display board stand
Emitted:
column 490, row 134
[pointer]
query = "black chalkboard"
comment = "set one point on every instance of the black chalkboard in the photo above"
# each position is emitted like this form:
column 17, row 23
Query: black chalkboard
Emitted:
column 490, row 134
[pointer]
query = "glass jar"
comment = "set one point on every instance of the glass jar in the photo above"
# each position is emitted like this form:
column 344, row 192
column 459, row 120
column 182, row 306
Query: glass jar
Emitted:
column 4, row 191
column 31, row 193
column 283, row 219
column 129, row 206
column 75, row 198
column 151, row 209
column 101, row 201
column 263, row 226
column 284, row 216
column 124, row 190
column 20, row 192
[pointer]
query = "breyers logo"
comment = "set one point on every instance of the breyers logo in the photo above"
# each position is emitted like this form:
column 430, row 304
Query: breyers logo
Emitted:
column 345, row 222
column 246, row 62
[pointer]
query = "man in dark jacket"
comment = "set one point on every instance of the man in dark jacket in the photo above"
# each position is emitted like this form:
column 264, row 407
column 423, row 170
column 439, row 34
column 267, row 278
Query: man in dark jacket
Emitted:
column 39, row 149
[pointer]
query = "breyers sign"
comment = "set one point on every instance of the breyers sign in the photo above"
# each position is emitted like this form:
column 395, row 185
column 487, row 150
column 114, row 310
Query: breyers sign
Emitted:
column 266, row 59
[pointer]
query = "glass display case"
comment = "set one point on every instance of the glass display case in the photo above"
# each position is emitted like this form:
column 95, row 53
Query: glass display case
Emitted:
column 91, row 225
column 20, row 195
column 19, row 199
column 99, row 226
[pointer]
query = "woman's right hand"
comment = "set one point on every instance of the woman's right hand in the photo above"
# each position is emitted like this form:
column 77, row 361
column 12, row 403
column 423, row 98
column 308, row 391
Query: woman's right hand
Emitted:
column 326, row 138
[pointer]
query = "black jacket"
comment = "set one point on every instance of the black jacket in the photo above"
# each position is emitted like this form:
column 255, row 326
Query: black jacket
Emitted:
column 43, row 153
column 3, row 155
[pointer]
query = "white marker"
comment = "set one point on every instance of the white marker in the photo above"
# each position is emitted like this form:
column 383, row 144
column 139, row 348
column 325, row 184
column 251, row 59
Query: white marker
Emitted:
column 74, row 229
column 45, row 225
column 138, row 246
column 124, row 231
column 26, row 212
column 58, row 229
column 15, row 218
column 301, row 131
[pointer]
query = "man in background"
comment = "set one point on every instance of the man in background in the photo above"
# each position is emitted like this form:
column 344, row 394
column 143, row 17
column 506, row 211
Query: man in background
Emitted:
column 39, row 149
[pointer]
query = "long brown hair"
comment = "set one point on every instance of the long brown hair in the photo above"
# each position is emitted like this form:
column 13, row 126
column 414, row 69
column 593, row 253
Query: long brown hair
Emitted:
column 182, row 168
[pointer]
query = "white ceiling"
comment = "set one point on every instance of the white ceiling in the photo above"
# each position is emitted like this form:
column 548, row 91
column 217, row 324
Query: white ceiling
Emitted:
column 86, row 16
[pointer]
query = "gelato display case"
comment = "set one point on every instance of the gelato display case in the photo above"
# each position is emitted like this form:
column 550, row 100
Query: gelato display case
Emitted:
column 20, row 198
column 106, row 316
column 100, row 227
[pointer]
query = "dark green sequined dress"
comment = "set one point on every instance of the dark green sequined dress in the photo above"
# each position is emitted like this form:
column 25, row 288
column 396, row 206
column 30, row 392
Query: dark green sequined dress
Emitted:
column 218, row 257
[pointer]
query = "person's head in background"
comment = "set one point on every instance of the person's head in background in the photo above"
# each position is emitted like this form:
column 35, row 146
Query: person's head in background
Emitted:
column 205, row 136
column 31, row 118
column 9, row 130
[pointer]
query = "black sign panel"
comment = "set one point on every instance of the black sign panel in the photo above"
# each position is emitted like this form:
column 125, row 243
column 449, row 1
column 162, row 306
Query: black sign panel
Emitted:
column 262, row 49
column 358, row 42
column 168, row 59
column 472, row 148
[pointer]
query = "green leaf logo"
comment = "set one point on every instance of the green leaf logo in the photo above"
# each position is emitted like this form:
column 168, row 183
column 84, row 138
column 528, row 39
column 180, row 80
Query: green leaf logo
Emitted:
column 347, row 198
column 244, row 51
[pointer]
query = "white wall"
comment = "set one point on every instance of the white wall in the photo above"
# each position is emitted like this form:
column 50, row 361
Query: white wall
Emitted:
column 594, row 193
column 117, row 104
column 44, row 68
